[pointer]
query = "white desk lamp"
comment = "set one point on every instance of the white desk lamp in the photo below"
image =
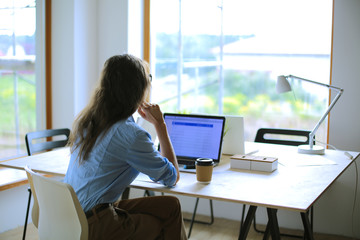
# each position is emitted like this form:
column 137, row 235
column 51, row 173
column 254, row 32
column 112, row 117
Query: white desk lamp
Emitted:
column 283, row 85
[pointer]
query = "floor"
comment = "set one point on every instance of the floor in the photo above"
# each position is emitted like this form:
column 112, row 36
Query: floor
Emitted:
column 221, row 229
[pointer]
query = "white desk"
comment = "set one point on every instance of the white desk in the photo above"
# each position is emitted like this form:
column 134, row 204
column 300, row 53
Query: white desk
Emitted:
column 290, row 187
column 54, row 162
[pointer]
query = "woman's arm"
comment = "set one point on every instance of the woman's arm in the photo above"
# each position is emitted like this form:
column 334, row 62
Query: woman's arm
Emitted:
column 153, row 114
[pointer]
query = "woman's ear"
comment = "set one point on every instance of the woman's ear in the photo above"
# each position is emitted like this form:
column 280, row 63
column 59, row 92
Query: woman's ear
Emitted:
column 147, row 95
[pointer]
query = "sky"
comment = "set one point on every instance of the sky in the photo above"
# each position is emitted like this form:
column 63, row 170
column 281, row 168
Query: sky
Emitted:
column 242, row 17
column 15, row 15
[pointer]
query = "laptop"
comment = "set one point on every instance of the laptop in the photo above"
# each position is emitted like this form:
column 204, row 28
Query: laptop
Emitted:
column 195, row 136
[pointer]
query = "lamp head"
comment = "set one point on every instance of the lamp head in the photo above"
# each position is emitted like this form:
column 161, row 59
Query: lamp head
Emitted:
column 282, row 84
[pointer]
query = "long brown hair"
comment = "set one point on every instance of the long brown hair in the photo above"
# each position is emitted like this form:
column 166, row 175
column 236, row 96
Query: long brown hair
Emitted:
column 122, row 87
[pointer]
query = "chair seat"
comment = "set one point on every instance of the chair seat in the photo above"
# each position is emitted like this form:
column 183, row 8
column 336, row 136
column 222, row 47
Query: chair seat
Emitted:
column 60, row 213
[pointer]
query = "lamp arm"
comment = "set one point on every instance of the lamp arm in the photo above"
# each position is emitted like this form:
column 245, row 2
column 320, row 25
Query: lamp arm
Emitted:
column 318, row 83
column 312, row 133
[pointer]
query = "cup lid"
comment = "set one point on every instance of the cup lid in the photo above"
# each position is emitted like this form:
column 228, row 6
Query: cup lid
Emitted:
column 204, row 162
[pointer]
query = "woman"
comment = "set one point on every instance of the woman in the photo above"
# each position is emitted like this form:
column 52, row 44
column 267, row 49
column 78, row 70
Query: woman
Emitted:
column 108, row 150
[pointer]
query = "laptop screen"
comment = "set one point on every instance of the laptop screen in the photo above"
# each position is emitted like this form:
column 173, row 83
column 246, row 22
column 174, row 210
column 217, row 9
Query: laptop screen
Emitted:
column 195, row 136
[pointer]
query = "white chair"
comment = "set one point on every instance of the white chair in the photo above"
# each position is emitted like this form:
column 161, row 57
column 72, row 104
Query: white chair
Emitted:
column 60, row 215
column 41, row 141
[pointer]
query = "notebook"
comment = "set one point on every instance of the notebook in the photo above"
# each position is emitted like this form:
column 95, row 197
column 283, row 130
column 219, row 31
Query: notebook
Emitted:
column 195, row 136
column 233, row 142
column 234, row 137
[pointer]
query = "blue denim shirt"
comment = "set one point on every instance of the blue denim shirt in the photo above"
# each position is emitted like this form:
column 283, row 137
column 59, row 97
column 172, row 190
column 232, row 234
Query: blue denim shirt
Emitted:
column 114, row 162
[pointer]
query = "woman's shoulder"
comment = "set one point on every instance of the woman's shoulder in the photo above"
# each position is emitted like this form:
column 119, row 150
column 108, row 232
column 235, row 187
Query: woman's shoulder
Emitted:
column 128, row 127
column 128, row 124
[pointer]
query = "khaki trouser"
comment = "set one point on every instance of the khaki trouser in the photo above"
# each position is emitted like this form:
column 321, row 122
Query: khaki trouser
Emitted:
column 156, row 217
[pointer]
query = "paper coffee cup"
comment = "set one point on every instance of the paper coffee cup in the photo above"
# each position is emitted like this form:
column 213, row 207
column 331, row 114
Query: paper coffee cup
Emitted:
column 204, row 169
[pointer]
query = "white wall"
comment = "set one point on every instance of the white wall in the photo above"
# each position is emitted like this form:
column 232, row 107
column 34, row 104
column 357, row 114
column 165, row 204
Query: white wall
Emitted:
column 13, row 203
column 344, row 121
column 63, row 63
column 74, row 57
column 344, row 132
column 85, row 53
column 40, row 61
column 84, row 34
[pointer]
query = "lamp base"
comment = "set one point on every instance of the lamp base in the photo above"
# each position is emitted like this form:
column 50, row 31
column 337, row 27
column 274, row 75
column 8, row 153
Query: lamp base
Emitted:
column 305, row 149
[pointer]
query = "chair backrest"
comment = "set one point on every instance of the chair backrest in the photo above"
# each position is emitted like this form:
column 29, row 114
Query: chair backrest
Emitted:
column 285, row 136
column 58, row 138
column 35, row 209
column 60, row 213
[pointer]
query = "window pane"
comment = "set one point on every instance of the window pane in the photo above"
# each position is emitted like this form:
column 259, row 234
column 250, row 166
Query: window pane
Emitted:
column 223, row 57
column 17, row 75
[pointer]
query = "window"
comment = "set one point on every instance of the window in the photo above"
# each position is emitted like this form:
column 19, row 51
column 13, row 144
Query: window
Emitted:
column 223, row 57
column 17, row 75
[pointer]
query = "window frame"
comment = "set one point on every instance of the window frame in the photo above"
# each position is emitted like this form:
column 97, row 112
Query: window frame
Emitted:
column 146, row 50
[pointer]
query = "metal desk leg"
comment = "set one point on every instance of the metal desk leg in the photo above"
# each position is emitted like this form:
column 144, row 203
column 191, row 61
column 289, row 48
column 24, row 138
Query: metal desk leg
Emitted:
column 267, row 231
column 193, row 217
column 243, row 216
column 311, row 212
column 192, row 220
column 245, row 227
column 149, row 193
column 125, row 194
column 274, row 226
column 307, row 226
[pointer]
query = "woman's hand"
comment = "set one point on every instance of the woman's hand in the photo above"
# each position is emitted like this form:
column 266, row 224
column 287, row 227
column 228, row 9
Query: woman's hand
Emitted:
column 151, row 113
